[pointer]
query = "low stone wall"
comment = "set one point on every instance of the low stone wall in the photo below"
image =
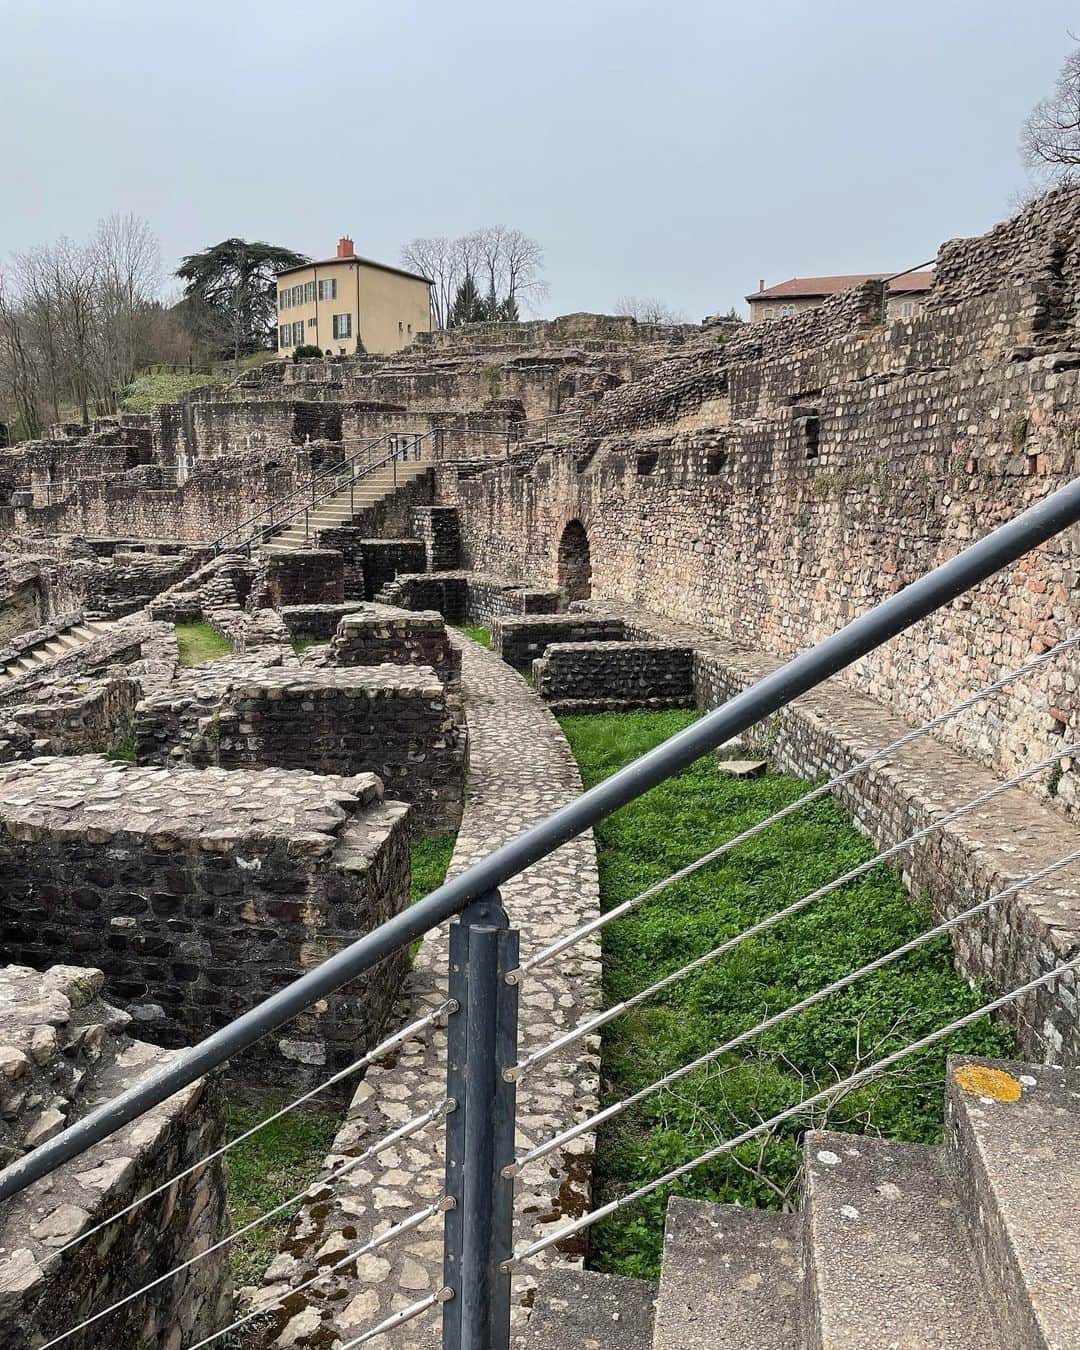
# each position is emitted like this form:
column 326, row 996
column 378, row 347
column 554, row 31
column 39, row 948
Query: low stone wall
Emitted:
column 379, row 634
column 301, row 576
column 316, row 623
column 615, row 676
column 978, row 855
column 383, row 560
column 439, row 529
column 520, row 639
column 81, row 719
column 396, row 721
column 201, row 893
column 64, row 1050
column 468, row 597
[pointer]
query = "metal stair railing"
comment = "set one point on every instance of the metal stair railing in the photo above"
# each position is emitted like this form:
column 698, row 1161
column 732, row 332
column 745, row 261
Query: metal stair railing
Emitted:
column 328, row 482
column 480, row 1009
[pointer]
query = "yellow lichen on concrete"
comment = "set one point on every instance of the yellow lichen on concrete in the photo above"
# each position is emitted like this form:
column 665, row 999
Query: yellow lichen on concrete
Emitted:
column 983, row 1082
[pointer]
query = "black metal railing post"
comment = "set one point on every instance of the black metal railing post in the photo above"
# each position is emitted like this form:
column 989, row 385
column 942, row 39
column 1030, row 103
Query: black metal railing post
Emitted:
column 481, row 1044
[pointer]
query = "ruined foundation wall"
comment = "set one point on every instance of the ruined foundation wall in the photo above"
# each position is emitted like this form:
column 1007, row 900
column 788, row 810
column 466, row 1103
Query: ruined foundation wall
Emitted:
column 65, row 1051
column 200, row 893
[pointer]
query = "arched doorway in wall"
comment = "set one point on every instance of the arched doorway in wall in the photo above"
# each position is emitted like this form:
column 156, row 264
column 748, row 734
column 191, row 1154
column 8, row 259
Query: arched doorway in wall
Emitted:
column 575, row 563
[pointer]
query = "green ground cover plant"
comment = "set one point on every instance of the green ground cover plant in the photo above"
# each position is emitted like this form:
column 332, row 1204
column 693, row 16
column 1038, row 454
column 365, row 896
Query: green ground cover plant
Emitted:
column 198, row 642
column 481, row 635
column 646, row 841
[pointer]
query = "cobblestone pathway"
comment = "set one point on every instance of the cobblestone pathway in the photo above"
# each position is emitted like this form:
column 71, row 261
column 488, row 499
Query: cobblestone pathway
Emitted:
column 520, row 770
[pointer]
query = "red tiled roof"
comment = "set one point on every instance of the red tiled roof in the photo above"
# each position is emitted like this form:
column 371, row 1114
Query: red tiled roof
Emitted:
column 816, row 288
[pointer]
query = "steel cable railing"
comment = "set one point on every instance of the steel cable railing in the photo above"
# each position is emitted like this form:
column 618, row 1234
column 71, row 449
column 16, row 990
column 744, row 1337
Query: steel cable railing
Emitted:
column 601, row 1019
column 785, row 1014
column 837, row 780
column 406, row 1033
column 406, row 1131
column 826, row 1094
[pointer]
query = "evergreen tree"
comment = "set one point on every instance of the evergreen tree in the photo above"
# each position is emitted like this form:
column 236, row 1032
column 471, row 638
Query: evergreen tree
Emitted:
column 469, row 305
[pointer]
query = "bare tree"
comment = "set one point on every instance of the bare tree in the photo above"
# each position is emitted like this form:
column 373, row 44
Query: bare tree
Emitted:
column 128, row 276
column 20, row 374
column 438, row 259
column 504, row 265
column 1050, row 139
column 648, row 310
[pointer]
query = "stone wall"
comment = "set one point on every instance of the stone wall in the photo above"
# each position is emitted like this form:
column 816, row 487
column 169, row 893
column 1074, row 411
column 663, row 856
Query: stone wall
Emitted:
column 615, row 676
column 300, row 576
column 81, row 718
column 64, row 1049
column 468, row 597
column 201, row 893
column 396, row 721
column 379, row 634
column 772, row 487
column 520, row 639
column 440, row 531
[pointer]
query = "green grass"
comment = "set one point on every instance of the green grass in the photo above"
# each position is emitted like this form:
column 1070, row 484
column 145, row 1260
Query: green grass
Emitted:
column 301, row 644
column 671, row 825
column 123, row 749
column 266, row 1169
column 481, row 635
column 198, row 642
column 430, row 859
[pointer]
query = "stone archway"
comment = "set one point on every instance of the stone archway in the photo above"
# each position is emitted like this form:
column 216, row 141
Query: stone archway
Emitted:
column 575, row 562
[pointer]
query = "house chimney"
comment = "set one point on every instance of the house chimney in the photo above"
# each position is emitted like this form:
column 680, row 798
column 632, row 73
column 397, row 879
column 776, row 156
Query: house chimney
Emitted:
column 761, row 284
column 345, row 247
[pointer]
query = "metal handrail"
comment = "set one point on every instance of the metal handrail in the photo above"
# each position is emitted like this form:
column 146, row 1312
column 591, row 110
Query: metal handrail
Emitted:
column 482, row 1008
column 219, row 544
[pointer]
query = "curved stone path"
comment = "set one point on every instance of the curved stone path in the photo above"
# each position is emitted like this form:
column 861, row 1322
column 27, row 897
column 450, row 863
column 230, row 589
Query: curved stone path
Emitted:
column 521, row 769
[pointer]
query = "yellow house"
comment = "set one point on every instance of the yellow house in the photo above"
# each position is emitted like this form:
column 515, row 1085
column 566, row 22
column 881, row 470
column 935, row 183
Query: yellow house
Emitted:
column 349, row 304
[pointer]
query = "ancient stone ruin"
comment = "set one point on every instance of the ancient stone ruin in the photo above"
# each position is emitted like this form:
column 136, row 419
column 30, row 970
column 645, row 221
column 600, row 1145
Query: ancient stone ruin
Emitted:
column 644, row 517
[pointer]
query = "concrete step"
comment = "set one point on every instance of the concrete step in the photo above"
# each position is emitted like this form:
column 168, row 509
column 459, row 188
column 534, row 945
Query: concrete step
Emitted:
column 888, row 1263
column 1012, row 1138
column 730, row 1279
column 577, row 1308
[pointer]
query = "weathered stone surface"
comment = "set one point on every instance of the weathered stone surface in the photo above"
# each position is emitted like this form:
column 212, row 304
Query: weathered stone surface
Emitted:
column 47, row 1285
column 394, row 720
column 615, row 676
column 200, row 893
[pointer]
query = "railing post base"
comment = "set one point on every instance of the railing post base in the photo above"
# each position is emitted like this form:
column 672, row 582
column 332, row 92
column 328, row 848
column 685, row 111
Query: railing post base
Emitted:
column 481, row 1044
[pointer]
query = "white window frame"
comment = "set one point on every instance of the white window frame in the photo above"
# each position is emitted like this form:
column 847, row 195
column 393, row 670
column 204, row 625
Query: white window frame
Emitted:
column 342, row 326
column 328, row 289
column 309, row 292
column 297, row 332
column 283, row 300
column 284, row 335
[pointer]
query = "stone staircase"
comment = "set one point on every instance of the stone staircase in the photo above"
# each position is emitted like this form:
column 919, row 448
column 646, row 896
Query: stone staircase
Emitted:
column 52, row 648
column 972, row 1245
column 344, row 507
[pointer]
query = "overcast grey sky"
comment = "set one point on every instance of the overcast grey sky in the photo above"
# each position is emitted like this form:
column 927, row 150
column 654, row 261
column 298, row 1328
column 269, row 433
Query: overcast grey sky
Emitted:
column 679, row 148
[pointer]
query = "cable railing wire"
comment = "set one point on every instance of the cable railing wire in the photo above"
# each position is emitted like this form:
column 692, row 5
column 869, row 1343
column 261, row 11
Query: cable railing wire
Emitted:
column 405, row 1131
column 400, row 1317
column 837, row 780
column 384, row 1047
column 819, row 995
column 602, row 1018
column 826, row 1094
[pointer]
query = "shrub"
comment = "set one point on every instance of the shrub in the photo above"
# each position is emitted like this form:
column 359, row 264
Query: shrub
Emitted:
column 304, row 350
